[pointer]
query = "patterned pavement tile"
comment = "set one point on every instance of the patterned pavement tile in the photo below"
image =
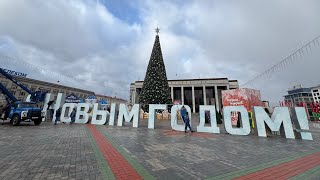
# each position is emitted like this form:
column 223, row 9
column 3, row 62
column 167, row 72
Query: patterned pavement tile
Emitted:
column 72, row 152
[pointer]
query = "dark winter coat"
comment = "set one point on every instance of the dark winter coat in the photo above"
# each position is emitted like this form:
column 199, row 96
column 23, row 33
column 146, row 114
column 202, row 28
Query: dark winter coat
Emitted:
column 58, row 113
column 73, row 114
column 183, row 112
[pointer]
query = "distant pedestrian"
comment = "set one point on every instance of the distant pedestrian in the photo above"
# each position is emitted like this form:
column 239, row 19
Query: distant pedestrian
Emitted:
column 6, row 111
column 183, row 112
column 73, row 116
column 187, row 122
column 58, row 114
column 239, row 120
column 1, row 112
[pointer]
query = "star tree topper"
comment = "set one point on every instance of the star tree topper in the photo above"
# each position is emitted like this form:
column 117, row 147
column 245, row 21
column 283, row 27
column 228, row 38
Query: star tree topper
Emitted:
column 157, row 30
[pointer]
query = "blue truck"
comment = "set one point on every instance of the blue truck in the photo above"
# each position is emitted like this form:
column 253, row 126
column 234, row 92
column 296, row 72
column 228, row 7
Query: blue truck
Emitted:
column 25, row 111
column 17, row 111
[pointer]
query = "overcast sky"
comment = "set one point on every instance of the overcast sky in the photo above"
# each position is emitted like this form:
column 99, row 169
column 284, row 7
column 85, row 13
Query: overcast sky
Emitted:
column 106, row 45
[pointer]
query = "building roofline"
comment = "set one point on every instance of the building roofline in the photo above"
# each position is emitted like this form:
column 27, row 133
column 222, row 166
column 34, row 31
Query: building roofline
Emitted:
column 202, row 79
column 296, row 93
column 110, row 97
column 103, row 95
column 47, row 83
column 315, row 87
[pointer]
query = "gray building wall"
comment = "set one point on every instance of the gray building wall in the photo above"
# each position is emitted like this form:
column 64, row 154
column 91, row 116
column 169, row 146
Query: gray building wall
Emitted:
column 192, row 92
column 35, row 85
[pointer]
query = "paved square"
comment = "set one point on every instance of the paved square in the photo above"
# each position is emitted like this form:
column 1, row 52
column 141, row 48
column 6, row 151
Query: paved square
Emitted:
column 105, row 152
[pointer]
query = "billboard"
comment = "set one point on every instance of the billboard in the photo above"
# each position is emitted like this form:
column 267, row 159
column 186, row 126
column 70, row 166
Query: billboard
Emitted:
column 14, row 73
column 241, row 97
column 72, row 98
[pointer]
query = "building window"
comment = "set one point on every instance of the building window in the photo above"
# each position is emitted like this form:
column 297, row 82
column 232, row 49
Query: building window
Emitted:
column 22, row 93
column 33, row 88
column 177, row 94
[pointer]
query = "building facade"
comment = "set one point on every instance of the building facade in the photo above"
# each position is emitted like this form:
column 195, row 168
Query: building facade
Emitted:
column 110, row 99
column 36, row 85
column 298, row 95
column 191, row 92
column 316, row 94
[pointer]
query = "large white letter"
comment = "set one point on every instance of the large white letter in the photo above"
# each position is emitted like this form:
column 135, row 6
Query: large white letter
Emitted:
column 99, row 117
column 134, row 114
column 280, row 119
column 67, row 108
column 300, row 120
column 49, row 97
column 112, row 114
column 245, row 129
column 213, row 120
column 174, row 123
column 152, row 108
column 82, row 115
column 58, row 103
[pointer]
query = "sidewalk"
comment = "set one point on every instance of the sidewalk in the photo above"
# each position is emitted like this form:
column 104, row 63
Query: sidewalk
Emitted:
column 105, row 152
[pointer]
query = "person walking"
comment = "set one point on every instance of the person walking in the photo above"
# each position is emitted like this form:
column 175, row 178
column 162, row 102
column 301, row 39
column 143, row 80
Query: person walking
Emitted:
column 187, row 123
column 73, row 116
column 58, row 114
column 183, row 112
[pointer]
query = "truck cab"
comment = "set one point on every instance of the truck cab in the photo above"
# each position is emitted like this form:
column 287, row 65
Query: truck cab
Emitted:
column 25, row 111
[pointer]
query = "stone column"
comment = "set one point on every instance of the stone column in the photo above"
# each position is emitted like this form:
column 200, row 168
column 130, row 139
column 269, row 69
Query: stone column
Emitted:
column 204, row 95
column 217, row 98
column 172, row 93
column 193, row 101
column 134, row 96
column 182, row 95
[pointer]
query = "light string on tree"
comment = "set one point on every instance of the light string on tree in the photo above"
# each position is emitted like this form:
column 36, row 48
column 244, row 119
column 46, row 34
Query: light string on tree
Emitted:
column 307, row 48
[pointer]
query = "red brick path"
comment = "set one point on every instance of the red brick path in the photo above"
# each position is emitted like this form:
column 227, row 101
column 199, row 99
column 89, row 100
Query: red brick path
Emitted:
column 119, row 166
column 286, row 170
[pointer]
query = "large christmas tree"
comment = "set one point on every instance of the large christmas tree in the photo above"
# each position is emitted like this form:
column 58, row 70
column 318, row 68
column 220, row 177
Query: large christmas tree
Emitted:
column 155, row 89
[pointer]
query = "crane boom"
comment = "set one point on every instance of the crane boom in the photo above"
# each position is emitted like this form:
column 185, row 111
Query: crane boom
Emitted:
column 6, row 92
column 15, row 81
column 35, row 96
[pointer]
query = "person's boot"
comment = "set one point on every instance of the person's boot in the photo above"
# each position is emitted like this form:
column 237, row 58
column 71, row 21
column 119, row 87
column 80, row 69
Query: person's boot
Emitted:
column 185, row 131
column 191, row 131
